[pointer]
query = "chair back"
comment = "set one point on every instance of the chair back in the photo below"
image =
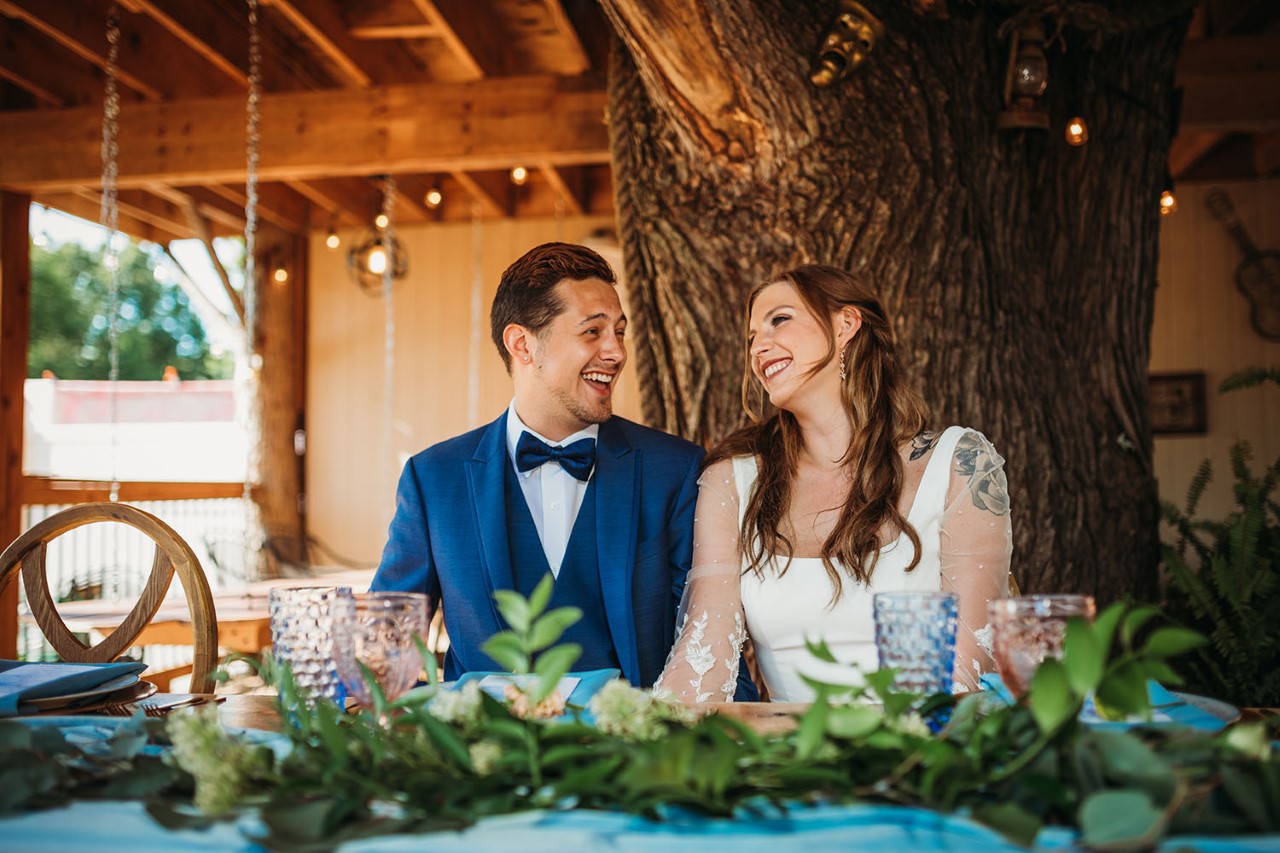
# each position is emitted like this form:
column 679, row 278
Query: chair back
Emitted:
column 26, row 556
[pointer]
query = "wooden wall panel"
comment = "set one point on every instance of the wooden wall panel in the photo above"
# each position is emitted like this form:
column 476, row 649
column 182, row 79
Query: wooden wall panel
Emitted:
column 350, row 472
column 1202, row 324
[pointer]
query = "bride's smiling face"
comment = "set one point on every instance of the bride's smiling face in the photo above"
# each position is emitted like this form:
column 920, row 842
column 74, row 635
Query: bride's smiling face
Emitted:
column 787, row 345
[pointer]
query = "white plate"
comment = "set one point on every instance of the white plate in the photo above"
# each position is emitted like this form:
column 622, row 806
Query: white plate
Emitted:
column 48, row 703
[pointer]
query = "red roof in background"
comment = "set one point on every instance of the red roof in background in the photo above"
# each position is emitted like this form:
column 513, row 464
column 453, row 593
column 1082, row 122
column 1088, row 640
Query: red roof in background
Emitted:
column 89, row 401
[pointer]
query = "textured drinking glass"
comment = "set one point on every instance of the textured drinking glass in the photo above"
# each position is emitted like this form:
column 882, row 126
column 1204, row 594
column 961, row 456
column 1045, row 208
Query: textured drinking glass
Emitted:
column 1030, row 628
column 377, row 629
column 302, row 636
column 916, row 635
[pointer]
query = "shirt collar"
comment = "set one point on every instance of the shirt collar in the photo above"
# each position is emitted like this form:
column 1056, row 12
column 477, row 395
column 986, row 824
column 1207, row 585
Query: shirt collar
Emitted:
column 515, row 426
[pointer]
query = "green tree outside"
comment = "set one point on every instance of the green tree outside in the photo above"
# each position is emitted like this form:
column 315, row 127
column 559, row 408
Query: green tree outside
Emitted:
column 70, row 326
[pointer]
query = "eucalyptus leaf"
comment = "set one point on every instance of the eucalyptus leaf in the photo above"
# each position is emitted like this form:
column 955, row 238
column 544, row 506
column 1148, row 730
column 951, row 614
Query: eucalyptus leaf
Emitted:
column 550, row 667
column 1010, row 820
column 515, row 609
column 1123, row 692
column 1116, row 819
column 548, row 628
column 541, row 595
column 15, row 735
column 853, row 721
column 507, row 651
column 818, row 648
column 1082, row 656
column 1167, row 642
column 1050, row 698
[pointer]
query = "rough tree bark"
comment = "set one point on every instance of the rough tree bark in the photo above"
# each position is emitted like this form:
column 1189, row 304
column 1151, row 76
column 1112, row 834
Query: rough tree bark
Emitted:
column 1021, row 271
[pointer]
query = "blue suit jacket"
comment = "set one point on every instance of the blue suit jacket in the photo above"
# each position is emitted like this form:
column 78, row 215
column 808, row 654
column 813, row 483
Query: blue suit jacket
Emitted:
column 449, row 538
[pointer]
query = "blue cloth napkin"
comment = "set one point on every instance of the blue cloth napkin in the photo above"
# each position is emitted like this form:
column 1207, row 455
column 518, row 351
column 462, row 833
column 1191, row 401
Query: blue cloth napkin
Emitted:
column 1168, row 708
column 22, row 681
column 590, row 681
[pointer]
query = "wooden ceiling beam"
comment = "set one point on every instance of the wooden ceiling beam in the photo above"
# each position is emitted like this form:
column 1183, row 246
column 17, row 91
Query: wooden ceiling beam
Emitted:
column 178, row 22
column 390, row 22
column 489, row 124
column 487, row 194
column 84, row 205
column 27, row 55
column 320, row 197
column 471, row 38
column 150, row 60
column 361, row 64
column 1187, row 149
column 40, row 93
column 208, row 206
column 1245, row 102
column 1266, row 154
column 573, row 51
column 560, row 182
column 277, row 204
column 1227, row 56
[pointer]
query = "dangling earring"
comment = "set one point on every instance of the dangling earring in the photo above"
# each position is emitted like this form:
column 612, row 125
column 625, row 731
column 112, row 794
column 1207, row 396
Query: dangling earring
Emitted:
column 844, row 372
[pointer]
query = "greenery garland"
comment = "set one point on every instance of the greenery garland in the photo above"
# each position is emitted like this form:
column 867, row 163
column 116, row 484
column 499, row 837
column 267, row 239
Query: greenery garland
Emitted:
column 445, row 759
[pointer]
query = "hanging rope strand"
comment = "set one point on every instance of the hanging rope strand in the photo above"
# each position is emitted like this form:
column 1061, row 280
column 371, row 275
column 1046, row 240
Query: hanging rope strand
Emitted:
column 110, row 216
column 389, row 322
column 253, row 407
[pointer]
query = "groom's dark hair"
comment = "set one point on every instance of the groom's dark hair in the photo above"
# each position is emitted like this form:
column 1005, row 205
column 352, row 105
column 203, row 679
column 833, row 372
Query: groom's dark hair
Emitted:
column 527, row 293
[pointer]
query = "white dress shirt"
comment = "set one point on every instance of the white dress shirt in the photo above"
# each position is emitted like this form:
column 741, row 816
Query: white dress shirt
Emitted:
column 553, row 494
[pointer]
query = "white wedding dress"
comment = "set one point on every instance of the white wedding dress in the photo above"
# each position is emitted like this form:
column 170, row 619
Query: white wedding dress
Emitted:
column 959, row 510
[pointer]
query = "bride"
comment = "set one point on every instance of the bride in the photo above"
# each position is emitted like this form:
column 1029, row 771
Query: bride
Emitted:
column 837, row 494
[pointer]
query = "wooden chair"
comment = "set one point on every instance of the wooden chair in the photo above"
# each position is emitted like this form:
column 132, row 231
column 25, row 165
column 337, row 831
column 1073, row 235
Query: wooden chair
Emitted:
column 172, row 554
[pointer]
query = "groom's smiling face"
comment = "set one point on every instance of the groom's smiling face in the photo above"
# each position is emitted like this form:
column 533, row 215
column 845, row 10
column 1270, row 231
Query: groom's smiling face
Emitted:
column 574, row 361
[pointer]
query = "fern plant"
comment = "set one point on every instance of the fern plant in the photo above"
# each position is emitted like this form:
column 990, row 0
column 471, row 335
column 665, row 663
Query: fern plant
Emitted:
column 1224, row 576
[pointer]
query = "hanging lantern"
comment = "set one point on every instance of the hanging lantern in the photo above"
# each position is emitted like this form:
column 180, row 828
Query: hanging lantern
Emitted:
column 1025, row 80
column 367, row 260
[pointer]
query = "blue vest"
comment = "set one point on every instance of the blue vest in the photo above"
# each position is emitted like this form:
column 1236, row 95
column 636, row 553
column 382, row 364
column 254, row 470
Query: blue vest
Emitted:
column 577, row 585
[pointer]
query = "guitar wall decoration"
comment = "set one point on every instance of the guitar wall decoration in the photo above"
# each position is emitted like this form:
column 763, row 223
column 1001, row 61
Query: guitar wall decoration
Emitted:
column 1258, row 276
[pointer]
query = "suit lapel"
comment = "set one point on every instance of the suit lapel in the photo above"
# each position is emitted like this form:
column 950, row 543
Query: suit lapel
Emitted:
column 616, row 524
column 485, row 478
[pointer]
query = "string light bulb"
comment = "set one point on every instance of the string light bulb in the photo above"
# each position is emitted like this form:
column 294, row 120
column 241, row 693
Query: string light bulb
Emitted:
column 1077, row 133
column 332, row 240
column 381, row 220
column 281, row 275
column 433, row 198
column 519, row 175
column 377, row 262
column 1168, row 202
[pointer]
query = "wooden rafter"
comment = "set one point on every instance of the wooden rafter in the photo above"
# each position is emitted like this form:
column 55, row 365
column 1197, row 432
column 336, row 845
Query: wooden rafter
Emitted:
column 201, row 226
column 336, row 209
column 1187, row 149
column 571, row 199
column 277, row 205
column 470, row 45
column 183, row 31
column 359, row 63
column 388, row 22
column 573, row 50
column 208, row 206
column 40, row 92
column 484, row 194
column 489, row 124
column 1266, row 154
column 30, row 61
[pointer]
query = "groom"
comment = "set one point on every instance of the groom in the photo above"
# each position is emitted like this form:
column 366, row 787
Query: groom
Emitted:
column 555, row 484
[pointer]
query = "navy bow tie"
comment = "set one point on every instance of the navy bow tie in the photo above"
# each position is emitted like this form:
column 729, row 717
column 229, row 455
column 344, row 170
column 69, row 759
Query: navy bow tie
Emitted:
column 577, row 458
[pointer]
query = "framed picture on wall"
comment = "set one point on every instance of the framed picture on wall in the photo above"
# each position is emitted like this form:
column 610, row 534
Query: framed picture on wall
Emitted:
column 1178, row 404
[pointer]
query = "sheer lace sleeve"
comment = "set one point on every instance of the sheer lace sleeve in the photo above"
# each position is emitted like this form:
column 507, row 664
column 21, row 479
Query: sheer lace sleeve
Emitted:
column 976, row 546
column 710, row 625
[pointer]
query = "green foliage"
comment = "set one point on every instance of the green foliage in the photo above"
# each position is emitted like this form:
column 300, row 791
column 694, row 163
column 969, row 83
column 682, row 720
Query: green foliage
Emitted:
column 533, row 631
column 1223, row 576
column 437, row 759
column 70, row 333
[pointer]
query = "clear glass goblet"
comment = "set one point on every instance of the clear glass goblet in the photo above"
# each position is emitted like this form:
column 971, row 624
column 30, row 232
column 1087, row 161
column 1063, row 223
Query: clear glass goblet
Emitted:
column 377, row 629
column 1030, row 628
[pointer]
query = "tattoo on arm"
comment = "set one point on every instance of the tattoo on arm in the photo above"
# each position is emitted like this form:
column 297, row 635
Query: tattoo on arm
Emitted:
column 985, row 472
column 922, row 444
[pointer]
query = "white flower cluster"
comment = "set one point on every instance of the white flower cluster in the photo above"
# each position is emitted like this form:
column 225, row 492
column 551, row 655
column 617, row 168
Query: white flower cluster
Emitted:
column 222, row 768
column 635, row 714
column 459, row 707
column 911, row 723
column 485, row 755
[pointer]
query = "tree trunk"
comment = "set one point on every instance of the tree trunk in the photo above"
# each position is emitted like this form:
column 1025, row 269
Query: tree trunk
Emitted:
column 1021, row 271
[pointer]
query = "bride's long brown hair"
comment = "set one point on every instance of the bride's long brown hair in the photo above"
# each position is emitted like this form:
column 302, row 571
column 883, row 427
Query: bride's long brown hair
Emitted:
column 883, row 410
